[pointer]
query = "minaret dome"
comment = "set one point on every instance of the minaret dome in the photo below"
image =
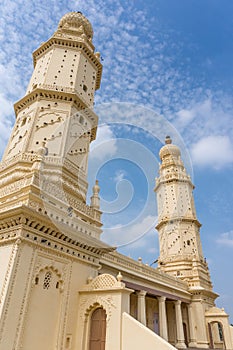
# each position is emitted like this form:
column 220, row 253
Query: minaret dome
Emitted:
column 169, row 149
column 76, row 21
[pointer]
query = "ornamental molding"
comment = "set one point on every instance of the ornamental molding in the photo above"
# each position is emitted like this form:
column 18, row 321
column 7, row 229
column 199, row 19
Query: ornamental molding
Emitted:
column 19, row 158
column 104, row 282
column 12, row 271
column 39, row 232
column 15, row 186
column 41, row 268
column 56, row 189
column 88, row 303
column 24, row 304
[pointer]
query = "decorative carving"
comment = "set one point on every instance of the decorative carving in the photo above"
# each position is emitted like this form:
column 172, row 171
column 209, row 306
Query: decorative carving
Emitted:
column 68, row 275
column 57, row 190
column 23, row 309
column 76, row 21
column 90, row 302
column 14, row 187
column 15, row 256
column 20, row 139
column 104, row 281
column 59, row 119
column 48, row 270
column 77, row 151
column 21, row 157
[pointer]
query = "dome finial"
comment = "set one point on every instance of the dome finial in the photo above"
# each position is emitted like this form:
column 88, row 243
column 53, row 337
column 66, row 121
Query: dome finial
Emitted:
column 168, row 140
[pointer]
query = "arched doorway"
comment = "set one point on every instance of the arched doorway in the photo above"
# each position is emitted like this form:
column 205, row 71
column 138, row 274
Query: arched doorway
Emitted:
column 97, row 330
column 216, row 335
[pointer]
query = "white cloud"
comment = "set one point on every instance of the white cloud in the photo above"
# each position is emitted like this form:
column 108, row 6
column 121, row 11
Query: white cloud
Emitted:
column 226, row 238
column 105, row 144
column 120, row 175
column 136, row 233
column 213, row 151
column 204, row 118
column 184, row 117
column 139, row 240
column 6, row 108
column 5, row 121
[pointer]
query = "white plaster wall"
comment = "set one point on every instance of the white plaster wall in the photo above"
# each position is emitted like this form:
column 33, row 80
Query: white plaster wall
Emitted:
column 231, row 332
column 135, row 336
column 40, row 71
column 51, row 316
column 79, row 273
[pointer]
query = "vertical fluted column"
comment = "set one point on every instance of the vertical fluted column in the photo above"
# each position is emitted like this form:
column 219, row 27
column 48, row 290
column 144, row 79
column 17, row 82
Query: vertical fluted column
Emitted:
column 192, row 343
column 162, row 318
column 141, row 316
column 179, row 326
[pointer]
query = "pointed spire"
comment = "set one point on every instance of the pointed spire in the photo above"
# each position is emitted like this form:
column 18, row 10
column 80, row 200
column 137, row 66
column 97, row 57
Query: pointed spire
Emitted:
column 95, row 200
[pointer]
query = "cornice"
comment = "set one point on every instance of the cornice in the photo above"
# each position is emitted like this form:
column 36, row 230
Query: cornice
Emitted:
column 24, row 218
column 134, row 269
column 178, row 219
column 166, row 179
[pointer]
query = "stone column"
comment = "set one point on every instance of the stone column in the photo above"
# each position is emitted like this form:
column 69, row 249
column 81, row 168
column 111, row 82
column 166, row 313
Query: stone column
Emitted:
column 193, row 342
column 141, row 316
column 163, row 318
column 179, row 326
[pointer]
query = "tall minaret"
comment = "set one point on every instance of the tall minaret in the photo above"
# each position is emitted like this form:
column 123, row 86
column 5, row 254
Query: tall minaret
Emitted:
column 178, row 227
column 55, row 124
column 49, row 236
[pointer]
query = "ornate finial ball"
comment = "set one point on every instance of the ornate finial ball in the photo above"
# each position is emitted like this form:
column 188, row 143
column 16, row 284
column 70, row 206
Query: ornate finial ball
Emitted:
column 119, row 277
column 76, row 20
column 169, row 149
column 168, row 140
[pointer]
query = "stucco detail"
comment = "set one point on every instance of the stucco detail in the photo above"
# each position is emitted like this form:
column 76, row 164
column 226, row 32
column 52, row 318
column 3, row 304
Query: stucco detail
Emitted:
column 104, row 281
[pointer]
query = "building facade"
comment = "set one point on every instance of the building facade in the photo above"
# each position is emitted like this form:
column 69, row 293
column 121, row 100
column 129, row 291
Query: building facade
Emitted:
column 61, row 287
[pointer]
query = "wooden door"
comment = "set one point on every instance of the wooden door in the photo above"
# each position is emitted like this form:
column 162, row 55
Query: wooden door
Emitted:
column 98, row 330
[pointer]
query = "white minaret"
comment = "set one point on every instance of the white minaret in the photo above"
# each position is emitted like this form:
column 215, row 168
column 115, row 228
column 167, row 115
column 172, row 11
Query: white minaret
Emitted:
column 178, row 227
column 55, row 124
column 49, row 236
column 57, row 107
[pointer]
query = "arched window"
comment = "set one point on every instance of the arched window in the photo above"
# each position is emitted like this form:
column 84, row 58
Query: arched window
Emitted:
column 220, row 331
column 47, row 280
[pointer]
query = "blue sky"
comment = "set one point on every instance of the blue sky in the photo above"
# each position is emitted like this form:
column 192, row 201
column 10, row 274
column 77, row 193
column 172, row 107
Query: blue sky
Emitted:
column 167, row 70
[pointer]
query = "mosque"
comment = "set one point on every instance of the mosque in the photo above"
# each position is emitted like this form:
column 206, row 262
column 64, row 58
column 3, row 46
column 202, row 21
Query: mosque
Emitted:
column 61, row 287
